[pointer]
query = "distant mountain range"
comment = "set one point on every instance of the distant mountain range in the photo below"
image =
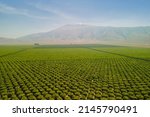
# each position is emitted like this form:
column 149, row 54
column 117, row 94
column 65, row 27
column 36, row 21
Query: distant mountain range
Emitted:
column 7, row 41
column 86, row 34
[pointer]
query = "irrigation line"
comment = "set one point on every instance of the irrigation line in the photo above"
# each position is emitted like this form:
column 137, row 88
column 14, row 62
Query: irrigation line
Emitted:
column 119, row 54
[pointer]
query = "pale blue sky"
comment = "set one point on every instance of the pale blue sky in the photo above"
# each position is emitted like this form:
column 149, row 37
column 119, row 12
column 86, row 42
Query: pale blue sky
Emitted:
column 21, row 17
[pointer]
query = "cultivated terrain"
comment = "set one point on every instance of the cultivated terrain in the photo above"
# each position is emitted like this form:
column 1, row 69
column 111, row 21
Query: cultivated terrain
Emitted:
column 74, row 72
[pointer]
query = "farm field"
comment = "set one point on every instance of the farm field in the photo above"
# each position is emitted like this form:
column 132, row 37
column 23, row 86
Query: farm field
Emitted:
column 83, row 72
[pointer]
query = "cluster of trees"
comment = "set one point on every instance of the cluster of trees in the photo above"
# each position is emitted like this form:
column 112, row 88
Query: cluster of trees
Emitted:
column 73, row 79
column 24, row 77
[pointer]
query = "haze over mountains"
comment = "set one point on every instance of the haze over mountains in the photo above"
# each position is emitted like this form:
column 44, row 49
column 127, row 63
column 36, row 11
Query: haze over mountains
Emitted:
column 86, row 34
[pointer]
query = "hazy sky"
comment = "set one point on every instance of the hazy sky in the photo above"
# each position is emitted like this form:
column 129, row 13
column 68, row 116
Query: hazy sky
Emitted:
column 21, row 17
